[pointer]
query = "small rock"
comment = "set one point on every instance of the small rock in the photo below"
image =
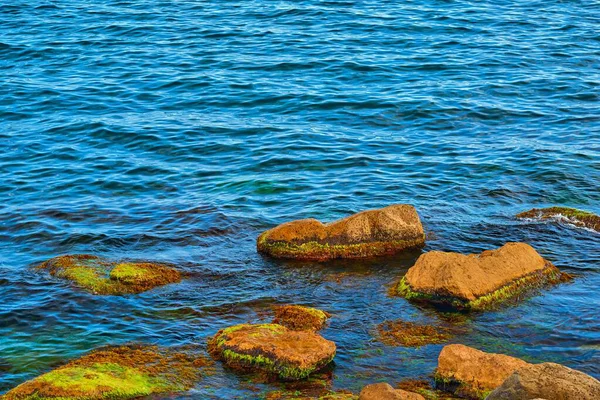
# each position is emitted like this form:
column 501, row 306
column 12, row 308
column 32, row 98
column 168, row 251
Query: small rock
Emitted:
column 300, row 318
column 409, row 334
column 477, row 281
column 100, row 276
column 471, row 372
column 570, row 215
column 272, row 348
column 549, row 381
column 366, row 234
column 384, row 391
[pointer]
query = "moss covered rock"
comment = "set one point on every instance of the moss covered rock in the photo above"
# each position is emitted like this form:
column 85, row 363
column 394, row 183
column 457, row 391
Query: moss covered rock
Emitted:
column 472, row 373
column 300, row 318
column 272, row 348
column 571, row 215
column 366, row 234
column 105, row 277
column 477, row 281
column 122, row 372
column 409, row 334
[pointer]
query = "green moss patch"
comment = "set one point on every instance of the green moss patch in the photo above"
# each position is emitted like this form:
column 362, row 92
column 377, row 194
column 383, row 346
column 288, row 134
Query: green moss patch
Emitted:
column 409, row 334
column 116, row 373
column 324, row 251
column 100, row 276
column 572, row 215
column 510, row 292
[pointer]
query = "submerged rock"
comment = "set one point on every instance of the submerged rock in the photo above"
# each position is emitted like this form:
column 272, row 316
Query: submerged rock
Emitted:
column 384, row 391
column 272, row 348
column 366, row 234
column 477, row 281
column 122, row 372
column 473, row 373
column 300, row 318
column 549, row 381
column 409, row 334
column 104, row 277
column 571, row 215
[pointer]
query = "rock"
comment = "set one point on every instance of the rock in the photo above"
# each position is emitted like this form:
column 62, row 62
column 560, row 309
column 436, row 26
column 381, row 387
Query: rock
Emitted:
column 122, row 372
column 477, row 281
column 471, row 372
column 570, row 215
column 384, row 391
column 272, row 348
column 300, row 318
column 549, row 381
column 100, row 276
column 409, row 334
column 366, row 234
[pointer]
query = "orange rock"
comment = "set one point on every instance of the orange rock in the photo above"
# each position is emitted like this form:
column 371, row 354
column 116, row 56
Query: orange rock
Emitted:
column 368, row 233
column 477, row 280
column 272, row 348
column 474, row 373
column 548, row 381
column 300, row 318
column 384, row 391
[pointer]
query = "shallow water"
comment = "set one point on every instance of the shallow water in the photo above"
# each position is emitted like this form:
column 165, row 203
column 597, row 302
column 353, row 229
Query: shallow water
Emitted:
column 179, row 130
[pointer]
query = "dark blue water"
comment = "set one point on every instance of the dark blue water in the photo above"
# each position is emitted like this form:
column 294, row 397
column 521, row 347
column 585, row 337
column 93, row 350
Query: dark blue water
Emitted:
column 179, row 130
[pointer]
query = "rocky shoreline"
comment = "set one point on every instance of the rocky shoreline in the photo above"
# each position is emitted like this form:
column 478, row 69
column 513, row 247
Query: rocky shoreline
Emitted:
column 290, row 347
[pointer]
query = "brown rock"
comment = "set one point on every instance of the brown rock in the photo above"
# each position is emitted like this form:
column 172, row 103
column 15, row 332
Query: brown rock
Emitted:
column 572, row 216
column 474, row 373
column 477, row 280
column 384, row 391
column 272, row 348
column 368, row 233
column 549, row 381
column 300, row 318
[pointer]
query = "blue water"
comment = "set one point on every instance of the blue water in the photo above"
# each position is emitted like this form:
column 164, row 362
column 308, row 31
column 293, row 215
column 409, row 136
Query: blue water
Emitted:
column 179, row 130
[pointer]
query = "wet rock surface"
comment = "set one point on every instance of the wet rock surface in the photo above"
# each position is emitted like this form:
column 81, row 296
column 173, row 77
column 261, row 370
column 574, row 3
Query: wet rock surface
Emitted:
column 548, row 381
column 473, row 373
column 384, row 391
column 569, row 215
column 300, row 318
column 477, row 281
column 104, row 277
column 272, row 348
column 366, row 234
column 122, row 372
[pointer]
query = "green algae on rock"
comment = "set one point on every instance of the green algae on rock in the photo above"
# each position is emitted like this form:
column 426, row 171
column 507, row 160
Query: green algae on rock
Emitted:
column 477, row 281
column 121, row 372
column 104, row 277
column 409, row 334
column 300, row 318
column 571, row 215
column 273, row 349
column 366, row 234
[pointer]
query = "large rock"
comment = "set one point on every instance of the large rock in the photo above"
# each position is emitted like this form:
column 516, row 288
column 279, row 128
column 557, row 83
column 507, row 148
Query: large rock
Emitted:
column 123, row 372
column 570, row 215
column 100, row 276
column 384, row 391
column 477, row 281
column 272, row 348
column 366, row 234
column 549, row 381
column 473, row 373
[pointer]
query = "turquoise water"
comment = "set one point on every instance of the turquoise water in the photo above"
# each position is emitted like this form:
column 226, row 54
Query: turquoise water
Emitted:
column 179, row 130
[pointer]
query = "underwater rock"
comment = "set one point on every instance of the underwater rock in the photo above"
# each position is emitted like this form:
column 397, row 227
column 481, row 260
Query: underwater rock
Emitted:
column 366, row 234
column 473, row 373
column 478, row 281
column 384, row 391
column 272, row 348
column 100, row 276
column 300, row 318
column 549, row 381
column 571, row 215
column 409, row 334
column 121, row 372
